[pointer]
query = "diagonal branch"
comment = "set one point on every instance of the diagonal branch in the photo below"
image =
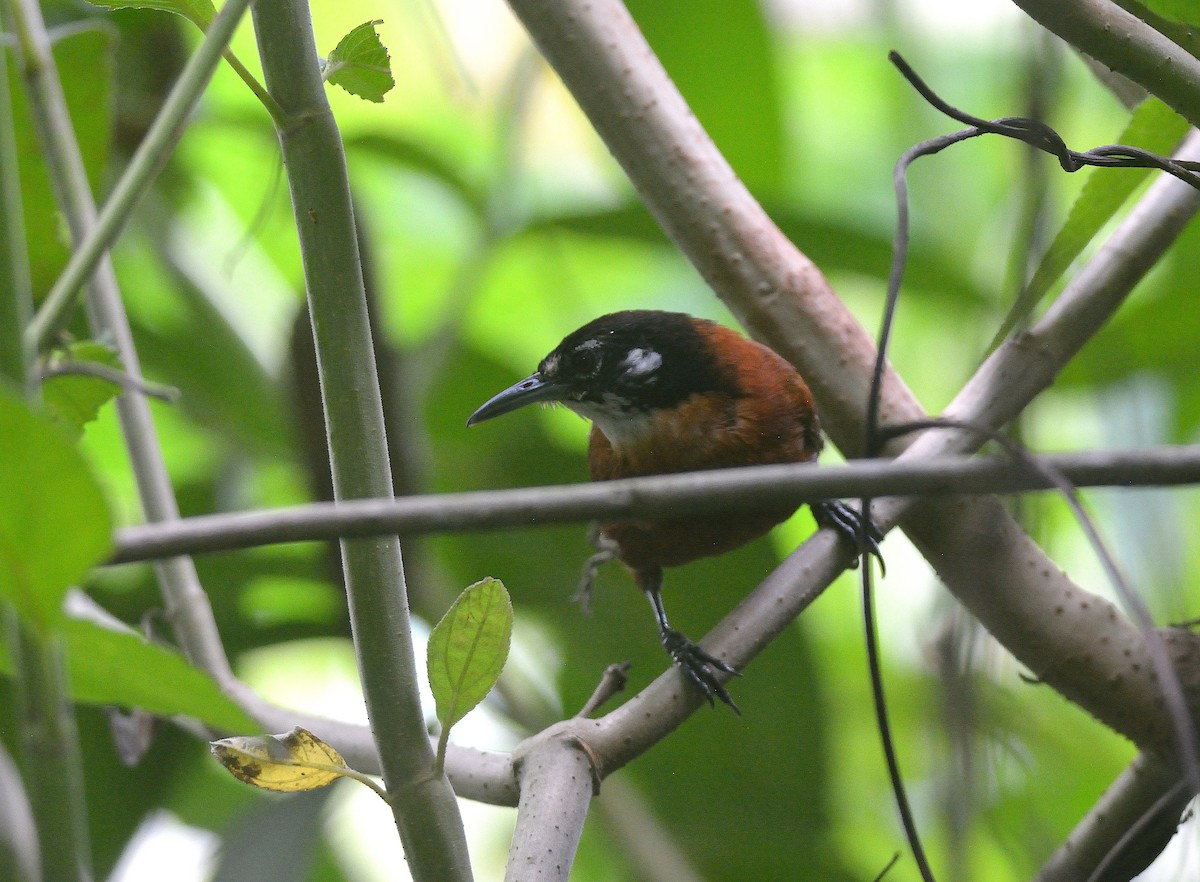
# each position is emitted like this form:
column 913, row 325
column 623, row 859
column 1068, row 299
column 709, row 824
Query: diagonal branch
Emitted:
column 1122, row 41
column 981, row 554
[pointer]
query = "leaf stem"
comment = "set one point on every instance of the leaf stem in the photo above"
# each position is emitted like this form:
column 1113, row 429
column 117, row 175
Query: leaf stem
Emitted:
column 260, row 91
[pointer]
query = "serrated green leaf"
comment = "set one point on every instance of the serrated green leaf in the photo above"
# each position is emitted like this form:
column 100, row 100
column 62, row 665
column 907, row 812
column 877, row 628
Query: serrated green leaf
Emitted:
column 54, row 523
column 74, row 400
column 1153, row 126
column 467, row 651
column 198, row 12
column 360, row 64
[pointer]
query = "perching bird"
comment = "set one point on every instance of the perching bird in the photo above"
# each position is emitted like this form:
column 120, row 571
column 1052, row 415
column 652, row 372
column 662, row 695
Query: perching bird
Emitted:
column 667, row 393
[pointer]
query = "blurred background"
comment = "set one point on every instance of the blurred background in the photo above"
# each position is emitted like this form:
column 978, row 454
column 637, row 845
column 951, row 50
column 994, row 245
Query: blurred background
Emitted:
column 493, row 222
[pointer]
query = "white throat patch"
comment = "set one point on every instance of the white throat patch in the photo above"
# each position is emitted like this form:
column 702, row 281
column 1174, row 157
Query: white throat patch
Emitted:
column 620, row 426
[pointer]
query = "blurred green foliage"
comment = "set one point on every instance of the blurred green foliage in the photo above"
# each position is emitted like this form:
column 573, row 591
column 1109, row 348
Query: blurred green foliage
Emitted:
column 494, row 223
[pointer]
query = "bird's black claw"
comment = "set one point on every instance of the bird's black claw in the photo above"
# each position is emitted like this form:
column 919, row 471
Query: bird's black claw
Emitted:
column 698, row 666
column 849, row 522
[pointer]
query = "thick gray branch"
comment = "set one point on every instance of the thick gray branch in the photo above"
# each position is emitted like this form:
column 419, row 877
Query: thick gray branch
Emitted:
column 1148, row 795
column 557, row 783
column 1125, row 43
column 777, row 293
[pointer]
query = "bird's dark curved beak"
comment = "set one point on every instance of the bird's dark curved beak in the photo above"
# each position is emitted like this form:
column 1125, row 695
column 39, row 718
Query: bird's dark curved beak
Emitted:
column 533, row 389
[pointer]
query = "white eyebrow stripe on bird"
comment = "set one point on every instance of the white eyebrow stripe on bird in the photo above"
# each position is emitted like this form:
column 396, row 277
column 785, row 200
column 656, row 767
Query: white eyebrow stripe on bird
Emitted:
column 641, row 361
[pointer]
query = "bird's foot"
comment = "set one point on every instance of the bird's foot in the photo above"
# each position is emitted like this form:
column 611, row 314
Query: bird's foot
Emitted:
column 606, row 550
column 699, row 666
column 852, row 524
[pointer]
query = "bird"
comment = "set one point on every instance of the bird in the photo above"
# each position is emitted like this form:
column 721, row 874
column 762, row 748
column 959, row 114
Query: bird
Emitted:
column 667, row 392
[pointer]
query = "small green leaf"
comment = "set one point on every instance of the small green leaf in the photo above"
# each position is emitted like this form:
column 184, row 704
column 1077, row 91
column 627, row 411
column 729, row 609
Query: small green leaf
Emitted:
column 360, row 64
column 467, row 651
column 198, row 12
column 1155, row 127
column 73, row 400
column 54, row 523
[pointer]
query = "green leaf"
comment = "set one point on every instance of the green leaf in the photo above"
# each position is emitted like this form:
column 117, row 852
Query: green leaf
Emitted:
column 54, row 523
column 198, row 12
column 73, row 400
column 724, row 62
column 1183, row 11
column 117, row 667
column 1154, row 127
column 360, row 64
column 467, row 651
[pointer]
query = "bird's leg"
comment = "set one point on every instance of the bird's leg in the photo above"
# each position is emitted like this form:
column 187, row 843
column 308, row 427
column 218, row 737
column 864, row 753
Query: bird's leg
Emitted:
column 696, row 664
column 606, row 550
column 850, row 523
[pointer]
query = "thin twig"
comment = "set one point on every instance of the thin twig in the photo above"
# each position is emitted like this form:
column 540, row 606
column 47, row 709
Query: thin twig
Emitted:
column 117, row 377
column 614, row 679
column 657, row 497
column 1041, row 136
column 149, row 158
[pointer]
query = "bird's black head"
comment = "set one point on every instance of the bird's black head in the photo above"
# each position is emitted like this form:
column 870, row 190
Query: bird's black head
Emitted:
column 619, row 369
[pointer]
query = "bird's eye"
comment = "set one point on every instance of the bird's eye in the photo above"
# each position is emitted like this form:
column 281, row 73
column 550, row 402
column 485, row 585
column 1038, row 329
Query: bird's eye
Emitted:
column 585, row 361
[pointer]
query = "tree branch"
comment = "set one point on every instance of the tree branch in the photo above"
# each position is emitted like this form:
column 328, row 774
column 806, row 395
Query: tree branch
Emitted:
column 1128, row 45
column 783, row 300
column 1135, row 797
column 557, row 781
column 1044, row 619
column 149, row 158
column 422, row 800
column 657, row 497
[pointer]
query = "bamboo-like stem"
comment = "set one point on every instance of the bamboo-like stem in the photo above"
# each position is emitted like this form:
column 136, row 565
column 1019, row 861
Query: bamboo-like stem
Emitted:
column 654, row 498
column 423, row 803
column 16, row 292
column 52, row 759
column 187, row 605
column 50, row 756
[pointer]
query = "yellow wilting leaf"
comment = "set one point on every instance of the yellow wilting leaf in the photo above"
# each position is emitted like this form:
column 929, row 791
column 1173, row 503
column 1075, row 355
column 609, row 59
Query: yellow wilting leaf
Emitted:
column 296, row 761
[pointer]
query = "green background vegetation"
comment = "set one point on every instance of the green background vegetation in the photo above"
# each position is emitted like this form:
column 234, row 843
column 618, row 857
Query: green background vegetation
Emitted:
column 493, row 222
